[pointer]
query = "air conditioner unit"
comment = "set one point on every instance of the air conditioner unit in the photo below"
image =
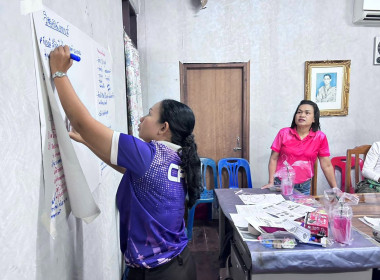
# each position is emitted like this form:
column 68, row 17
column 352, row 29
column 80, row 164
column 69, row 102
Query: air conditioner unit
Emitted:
column 367, row 12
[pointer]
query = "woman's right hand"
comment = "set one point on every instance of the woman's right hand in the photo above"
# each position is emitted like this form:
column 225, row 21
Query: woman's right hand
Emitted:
column 59, row 59
column 267, row 186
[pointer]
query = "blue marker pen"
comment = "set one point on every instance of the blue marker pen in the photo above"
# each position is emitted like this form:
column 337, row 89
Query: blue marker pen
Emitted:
column 74, row 57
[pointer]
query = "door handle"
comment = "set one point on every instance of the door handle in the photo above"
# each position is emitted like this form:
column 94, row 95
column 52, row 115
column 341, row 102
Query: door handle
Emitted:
column 237, row 148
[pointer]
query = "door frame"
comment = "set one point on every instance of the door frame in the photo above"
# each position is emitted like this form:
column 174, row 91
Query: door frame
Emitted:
column 183, row 67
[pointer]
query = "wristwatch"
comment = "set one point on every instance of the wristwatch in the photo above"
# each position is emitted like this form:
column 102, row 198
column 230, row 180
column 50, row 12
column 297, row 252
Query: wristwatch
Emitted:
column 59, row 74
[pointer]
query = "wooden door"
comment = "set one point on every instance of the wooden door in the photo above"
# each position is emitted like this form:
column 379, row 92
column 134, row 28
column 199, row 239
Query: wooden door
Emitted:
column 219, row 97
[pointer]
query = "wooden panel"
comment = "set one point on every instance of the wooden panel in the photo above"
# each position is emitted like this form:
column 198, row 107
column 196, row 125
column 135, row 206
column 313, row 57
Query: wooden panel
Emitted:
column 218, row 94
column 314, row 180
column 215, row 97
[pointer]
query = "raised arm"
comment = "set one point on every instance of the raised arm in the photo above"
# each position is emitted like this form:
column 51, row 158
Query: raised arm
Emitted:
column 78, row 138
column 97, row 135
column 328, row 170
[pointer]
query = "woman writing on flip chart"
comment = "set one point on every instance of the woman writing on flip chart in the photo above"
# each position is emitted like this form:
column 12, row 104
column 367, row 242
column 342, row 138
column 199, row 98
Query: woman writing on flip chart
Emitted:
column 158, row 173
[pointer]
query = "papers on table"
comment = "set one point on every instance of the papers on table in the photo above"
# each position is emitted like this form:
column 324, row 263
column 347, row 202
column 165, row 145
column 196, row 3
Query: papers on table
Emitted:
column 285, row 209
column 301, row 233
column 267, row 221
column 295, row 207
column 261, row 198
column 241, row 225
column 269, row 210
column 239, row 220
column 288, row 210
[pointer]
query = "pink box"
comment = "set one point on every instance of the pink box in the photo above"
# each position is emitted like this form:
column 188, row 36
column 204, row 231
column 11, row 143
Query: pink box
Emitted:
column 317, row 223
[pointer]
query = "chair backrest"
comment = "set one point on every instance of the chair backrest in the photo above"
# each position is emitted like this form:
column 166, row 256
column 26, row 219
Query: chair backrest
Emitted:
column 205, row 163
column 232, row 166
column 313, row 189
column 340, row 163
column 355, row 153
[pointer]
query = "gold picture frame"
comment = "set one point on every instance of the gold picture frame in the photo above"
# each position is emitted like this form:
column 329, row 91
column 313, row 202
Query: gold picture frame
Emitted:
column 327, row 83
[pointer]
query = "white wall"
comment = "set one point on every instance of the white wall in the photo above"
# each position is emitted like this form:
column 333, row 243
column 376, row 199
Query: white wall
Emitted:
column 277, row 37
column 80, row 251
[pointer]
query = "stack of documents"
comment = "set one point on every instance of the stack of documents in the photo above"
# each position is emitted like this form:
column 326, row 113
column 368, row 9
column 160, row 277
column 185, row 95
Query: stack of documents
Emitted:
column 269, row 210
column 261, row 198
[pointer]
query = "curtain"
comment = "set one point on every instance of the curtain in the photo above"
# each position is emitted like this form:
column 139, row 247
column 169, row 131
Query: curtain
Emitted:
column 134, row 96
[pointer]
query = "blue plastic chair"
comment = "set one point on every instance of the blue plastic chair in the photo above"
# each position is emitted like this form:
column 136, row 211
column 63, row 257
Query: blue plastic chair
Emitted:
column 207, row 196
column 232, row 165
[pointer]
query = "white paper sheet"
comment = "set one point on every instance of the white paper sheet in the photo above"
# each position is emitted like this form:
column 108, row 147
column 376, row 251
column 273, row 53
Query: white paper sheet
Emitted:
column 71, row 171
column 261, row 198
column 282, row 213
column 241, row 225
column 239, row 220
column 294, row 207
column 372, row 222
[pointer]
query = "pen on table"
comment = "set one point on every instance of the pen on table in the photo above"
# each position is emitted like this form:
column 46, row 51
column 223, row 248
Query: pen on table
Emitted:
column 74, row 57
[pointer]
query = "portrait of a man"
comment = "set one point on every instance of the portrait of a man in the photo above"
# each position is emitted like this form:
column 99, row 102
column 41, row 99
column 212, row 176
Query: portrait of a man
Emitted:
column 326, row 89
column 327, row 83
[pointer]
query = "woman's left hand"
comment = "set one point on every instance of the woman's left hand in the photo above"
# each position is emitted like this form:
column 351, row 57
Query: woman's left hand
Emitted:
column 76, row 136
column 60, row 59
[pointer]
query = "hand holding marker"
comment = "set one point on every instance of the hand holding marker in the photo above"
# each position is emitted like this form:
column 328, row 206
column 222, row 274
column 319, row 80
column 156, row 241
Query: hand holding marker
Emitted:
column 73, row 57
column 58, row 67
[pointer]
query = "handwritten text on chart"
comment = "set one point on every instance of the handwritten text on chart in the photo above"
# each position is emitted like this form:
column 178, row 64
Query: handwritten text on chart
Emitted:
column 103, row 113
column 103, row 165
column 53, row 24
column 104, row 91
column 60, row 196
column 52, row 43
column 104, row 94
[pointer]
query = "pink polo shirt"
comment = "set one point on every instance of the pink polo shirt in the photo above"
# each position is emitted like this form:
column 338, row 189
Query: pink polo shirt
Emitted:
column 300, row 154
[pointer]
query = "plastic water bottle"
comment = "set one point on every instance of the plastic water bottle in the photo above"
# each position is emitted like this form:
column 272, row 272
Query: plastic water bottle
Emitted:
column 286, row 186
column 342, row 214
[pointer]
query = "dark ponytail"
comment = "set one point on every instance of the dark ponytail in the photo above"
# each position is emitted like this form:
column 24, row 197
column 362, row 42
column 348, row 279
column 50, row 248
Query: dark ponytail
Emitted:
column 181, row 122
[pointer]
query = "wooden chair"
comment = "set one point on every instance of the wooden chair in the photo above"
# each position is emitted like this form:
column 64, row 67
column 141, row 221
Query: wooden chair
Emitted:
column 355, row 152
column 313, row 189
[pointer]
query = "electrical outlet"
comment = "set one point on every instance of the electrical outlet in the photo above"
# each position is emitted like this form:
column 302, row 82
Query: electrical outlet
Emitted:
column 376, row 57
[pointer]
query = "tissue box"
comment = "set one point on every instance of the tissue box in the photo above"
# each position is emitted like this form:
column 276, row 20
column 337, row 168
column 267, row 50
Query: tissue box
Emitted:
column 317, row 223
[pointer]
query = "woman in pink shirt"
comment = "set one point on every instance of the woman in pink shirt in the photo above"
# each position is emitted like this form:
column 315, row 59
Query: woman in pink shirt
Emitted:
column 299, row 146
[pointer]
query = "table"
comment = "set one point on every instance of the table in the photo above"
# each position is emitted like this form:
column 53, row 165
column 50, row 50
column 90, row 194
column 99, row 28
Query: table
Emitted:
column 251, row 260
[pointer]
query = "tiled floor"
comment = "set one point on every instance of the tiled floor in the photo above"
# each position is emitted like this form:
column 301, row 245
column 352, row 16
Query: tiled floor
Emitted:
column 205, row 249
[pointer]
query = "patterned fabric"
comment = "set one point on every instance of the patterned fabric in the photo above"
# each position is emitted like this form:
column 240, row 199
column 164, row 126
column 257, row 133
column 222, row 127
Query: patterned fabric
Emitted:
column 134, row 96
column 367, row 186
column 151, row 202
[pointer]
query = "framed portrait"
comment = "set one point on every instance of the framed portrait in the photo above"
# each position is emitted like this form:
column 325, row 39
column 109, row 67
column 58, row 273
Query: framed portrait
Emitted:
column 327, row 83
